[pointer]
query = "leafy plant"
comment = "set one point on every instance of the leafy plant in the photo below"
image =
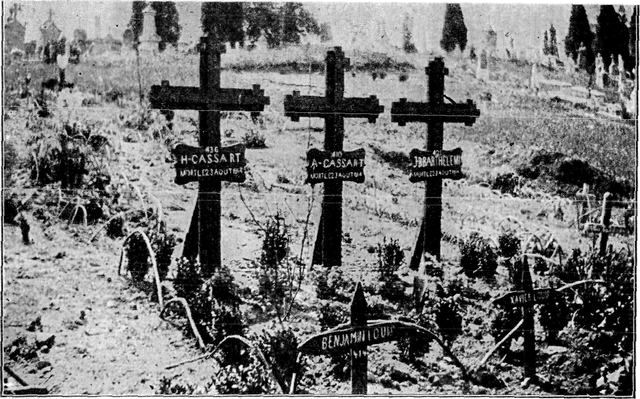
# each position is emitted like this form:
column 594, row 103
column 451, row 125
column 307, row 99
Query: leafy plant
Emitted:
column 331, row 284
column 477, row 257
column 332, row 314
column 281, row 351
column 508, row 245
column 254, row 139
column 168, row 386
column 390, row 257
column 251, row 379
column 162, row 243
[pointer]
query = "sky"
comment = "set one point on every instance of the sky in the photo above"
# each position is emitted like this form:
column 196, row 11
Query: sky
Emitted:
column 349, row 22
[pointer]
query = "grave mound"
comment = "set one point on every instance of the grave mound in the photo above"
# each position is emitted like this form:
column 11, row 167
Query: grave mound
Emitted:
column 569, row 173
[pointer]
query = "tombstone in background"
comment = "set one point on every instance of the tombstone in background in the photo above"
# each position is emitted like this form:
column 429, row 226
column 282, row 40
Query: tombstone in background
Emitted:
column 621, row 66
column 482, row 70
column 570, row 66
column 149, row 40
column 582, row 56
column 14, row 31
column 621, row 85
column 63, row 61
column 534, row 79
column 601, row 76
column 613, row 68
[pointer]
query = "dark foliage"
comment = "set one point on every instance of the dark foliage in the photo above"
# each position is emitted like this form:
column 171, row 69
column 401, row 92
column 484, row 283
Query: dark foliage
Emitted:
column 509, row 245
column 280, row 348
column 251, row 379
column 225, row 20
column 454, row 31
column 477, row 257
column 579, row 34
column 612, row 36
column 332, row 285
column 254, row 139
column 389, row 258
column 275, row 248
column 279, row 25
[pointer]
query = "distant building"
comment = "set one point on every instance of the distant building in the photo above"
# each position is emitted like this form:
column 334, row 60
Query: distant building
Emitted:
column 14, row 31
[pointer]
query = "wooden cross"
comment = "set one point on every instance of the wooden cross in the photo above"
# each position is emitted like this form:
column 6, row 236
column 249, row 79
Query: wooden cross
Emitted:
column 604, row 228
column 210, row 99
column 333, row 108
column 525, row 297
column 434, row 164
column 356, row 336
column 583, row 200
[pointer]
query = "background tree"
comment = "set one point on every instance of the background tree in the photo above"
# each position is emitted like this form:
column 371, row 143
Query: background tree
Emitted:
column 167, row 19
column 612, row 36
column 553, row 41
column 262, row 19
column 579, row 32
column 545, row 45
column 407, row 42
column 79, row 40
column 633, row 31
column 225, row 19
column 454, row 30
column 296, row 22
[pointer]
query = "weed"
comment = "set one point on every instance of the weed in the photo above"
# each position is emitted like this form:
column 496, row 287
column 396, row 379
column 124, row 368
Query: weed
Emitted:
column 477, row 257
column 281, row 350
column 390, row 257
column 254, row 139
column 251, row 379
column 508, row 245
column 331, row 284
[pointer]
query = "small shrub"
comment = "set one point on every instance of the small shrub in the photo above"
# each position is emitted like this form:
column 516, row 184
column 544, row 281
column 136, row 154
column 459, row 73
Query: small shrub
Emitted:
column 393, row 290
column 162, row 243
column 254, row 139
column 507, row 183
column 137, row 258
column 509, row 245
column 477, row 257
column 251, row 379
column 503, row 321
column 10, row 161
column 554, row 316
column 115, row 228
column 413, row 346
column 390, row 257
column 332, row 314
column 281, row 351
column 187, row 282
column 275, row 248
column 225, row 321
column 168, row 386
column 331, row 284
column 448, row 316
column 223, row 287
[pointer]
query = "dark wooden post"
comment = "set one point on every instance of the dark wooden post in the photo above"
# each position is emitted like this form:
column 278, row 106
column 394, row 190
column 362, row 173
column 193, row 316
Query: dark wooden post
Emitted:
column 359, row 352
column 331, row 236
column 431, row 222
column 605, row 222
column 208, row 223
column 529, row 354
column 435, row 113
column 333, row 107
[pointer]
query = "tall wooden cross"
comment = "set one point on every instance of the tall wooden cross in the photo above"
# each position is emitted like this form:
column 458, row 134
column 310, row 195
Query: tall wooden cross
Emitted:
column 434, row 164
column 333, row 108
column 204, row 236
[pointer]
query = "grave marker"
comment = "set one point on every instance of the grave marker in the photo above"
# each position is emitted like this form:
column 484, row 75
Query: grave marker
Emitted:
column 603, row 228
column 525, row 297
column 333, row 108
column 211, row 163
column 356, row 337
column 437, row 164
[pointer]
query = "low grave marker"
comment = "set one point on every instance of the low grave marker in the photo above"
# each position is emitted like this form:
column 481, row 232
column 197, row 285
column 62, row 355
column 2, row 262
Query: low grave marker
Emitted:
column 355, row 337
column 433, row 164
column 333, row 165
column 210, row 163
